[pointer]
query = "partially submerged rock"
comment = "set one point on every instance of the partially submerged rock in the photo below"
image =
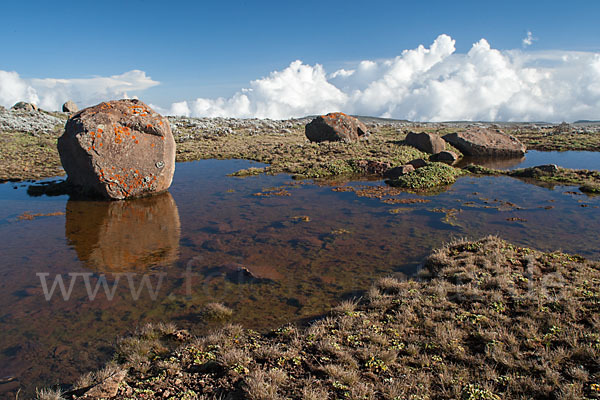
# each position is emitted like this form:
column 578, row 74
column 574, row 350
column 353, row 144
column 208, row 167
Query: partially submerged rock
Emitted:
column 335, row 127
column 425, row 141
column 482, row 142
column 118, row 149
column 70, row 107
column 21, row 105
column 447, row 157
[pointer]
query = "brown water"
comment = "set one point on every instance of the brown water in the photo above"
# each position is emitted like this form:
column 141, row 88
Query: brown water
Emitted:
column 305, row 251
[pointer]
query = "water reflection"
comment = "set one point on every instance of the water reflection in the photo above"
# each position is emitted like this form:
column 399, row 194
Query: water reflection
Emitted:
column 124, row 236
column 565, row 159
column 495, row 163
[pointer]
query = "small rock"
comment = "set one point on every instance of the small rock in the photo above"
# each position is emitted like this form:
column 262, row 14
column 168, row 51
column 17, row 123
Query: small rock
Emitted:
column 21, row 105
column 445, row 156
column 70, row 107
column 427, row 142
column 395, row 172
column 417, row 163
column 548, row 168
column 335, row 127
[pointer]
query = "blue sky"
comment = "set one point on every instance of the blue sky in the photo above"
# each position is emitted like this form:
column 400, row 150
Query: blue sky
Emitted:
column 207, row 50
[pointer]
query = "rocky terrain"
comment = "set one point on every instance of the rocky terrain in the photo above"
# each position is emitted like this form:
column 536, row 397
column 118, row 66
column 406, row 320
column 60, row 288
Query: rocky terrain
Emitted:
column 28, row 145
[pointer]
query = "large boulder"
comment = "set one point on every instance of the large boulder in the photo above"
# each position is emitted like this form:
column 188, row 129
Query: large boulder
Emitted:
column 427, row 142
column 25, row 106
column 335, row 127
column 70, row 107
column 118, row 149
column 482, row 142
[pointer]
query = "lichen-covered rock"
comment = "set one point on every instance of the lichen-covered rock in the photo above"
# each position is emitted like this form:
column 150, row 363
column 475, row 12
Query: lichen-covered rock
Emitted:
column 425, row 141
column 25, row 106
column 335, row 127
column 118, row 149
column 482, row 142
column 70, row 107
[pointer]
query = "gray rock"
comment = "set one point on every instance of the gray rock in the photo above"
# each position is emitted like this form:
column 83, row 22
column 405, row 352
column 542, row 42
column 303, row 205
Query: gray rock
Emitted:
column 25, row 106
column 70, row 107
column 427, row 142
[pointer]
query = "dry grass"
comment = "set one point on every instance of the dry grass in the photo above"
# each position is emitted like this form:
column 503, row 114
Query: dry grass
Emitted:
column 484, row 320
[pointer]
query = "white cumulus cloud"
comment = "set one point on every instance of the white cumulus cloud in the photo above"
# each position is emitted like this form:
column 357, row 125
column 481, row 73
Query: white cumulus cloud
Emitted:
column 423, row 84
column 50, row 93
column 427, row 84
column 529, row 39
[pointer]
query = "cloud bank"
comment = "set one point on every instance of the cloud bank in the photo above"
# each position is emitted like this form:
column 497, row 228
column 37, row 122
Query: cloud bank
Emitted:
column 51, row 93
column 424, row 84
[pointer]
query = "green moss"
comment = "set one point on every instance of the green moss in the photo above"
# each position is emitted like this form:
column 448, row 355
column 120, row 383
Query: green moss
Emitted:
column 293, row 154
column 248, row 172
column 593, row 188
column 587, row 180
column 429, row 176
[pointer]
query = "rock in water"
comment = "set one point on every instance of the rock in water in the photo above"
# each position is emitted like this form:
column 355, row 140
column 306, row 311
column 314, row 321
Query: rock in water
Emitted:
column 427, row 142
column 70, row 107
column 118, row 149
column 335, row 127
column 481, row 142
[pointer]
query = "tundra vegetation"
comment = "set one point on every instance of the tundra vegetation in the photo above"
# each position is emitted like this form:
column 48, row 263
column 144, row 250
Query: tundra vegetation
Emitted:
column 483, row 320
column 28, row 146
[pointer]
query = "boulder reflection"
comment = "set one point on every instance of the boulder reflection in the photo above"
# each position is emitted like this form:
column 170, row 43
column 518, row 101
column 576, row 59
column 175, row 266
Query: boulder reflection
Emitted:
column 122, row 236
column 495, row 163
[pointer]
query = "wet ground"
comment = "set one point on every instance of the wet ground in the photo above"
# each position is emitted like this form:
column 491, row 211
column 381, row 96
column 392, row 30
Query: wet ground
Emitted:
column 272, row 249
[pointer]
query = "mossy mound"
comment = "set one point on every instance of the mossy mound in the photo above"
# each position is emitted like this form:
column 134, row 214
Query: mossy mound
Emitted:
column 429, row 176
